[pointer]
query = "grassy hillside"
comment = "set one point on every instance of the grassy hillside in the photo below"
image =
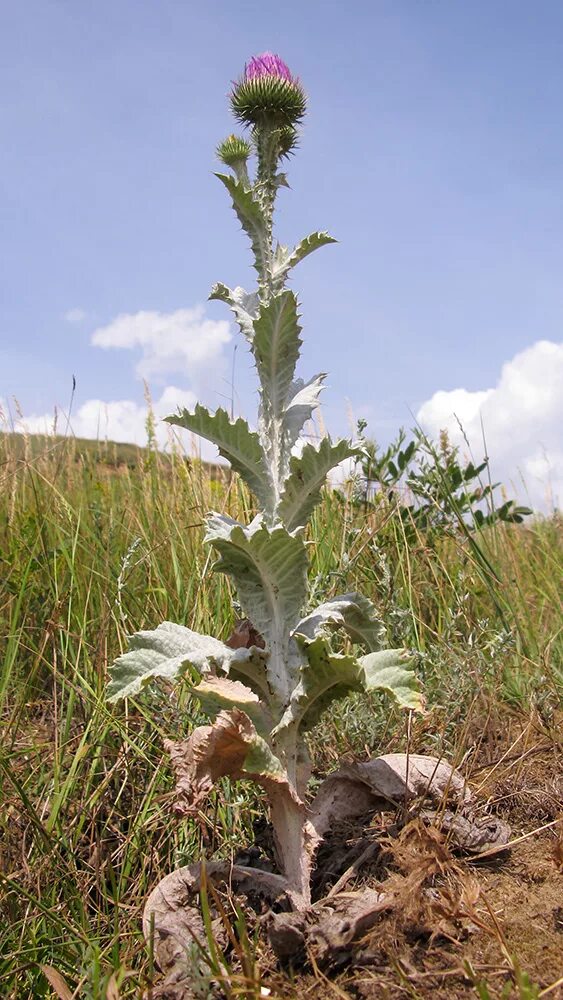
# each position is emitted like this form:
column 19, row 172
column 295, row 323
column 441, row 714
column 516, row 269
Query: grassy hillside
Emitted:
column 112, row 454
column 98, row 540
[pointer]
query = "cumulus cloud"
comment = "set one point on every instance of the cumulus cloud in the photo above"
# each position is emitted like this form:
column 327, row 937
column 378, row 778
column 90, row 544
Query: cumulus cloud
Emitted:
column 123, row 421
column 75, row 315
column 521, row 417
column 183, row 342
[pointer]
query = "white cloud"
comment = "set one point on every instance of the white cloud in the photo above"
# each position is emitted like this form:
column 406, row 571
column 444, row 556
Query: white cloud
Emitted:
column 522, row 417
column 122, row 420
column 184, row 342
column 75, row 316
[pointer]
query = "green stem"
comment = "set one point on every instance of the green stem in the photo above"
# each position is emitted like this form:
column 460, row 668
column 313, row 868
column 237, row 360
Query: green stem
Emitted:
column 294, row 838
column 241, row 173
column 267, row 149
column 267, row 142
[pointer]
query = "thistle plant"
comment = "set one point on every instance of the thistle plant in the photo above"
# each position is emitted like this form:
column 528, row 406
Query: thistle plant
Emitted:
column 262, row 700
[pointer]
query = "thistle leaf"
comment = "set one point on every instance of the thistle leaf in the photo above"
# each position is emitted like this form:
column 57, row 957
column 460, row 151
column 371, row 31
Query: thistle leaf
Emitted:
column 353, row 613
column 215, row 694
column 329, row 676
column 170, row 650
column 230, row 747
column 303, row 398
column 390, row 670
column 325, row 677
column 251, row 218
column 285, row 259
column 235, row 441
column 245, row 306
column 307, row 474
column 269, row 568
column 276, row 349
column 281, row 253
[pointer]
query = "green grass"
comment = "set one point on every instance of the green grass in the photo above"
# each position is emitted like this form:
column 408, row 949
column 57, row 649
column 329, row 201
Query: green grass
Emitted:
column 91, row 549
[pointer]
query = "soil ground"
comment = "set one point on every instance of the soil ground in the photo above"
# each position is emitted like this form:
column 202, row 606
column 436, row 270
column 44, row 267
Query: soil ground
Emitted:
column 462, row 927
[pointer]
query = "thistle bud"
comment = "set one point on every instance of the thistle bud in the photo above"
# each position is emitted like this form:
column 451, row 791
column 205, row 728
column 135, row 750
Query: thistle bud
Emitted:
column 233, row 151
column 268, row 93
column 287, row 140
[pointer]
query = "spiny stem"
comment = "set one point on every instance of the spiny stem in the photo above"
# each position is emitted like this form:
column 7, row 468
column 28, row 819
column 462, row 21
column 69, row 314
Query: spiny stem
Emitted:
column 267, row 149
column 267, row 142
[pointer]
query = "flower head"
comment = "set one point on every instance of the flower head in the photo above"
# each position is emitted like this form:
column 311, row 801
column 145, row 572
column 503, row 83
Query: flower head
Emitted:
column 233, row 150
column 268, row 93
column 268, row 64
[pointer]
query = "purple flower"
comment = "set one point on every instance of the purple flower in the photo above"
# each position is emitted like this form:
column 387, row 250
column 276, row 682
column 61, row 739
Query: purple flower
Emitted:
column 268, row 64
column 267, row 93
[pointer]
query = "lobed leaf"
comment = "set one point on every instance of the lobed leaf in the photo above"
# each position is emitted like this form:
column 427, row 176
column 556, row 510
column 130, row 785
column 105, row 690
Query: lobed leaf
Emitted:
column 269, row 568
column 307, row 475
column 391, row 670
column 352, row 612
column 251, row 217
column 328, row 676
column 236, row 442
column 285, row 259
column 325, row 677
column 276, row 350
column 245, row 306
column 303, row 398
column 168, row 652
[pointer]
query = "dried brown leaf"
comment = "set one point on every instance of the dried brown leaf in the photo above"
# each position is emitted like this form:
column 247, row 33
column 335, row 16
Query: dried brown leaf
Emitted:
column 244, row 636
column 230, row 747
column 470, row 831
column 396, row 780
column 57, row 982
column 326, row 933
column 385, row 782
column 172, row 920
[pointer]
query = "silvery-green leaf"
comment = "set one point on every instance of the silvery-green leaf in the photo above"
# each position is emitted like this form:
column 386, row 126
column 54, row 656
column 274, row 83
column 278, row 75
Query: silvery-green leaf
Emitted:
column 325, row 677
column 251, row 670
column 251, row 217
column 249, row 665
column 303, row 398
column 307, row 475
column 329, row 676
column 269, row 568
column 391, row 670
column 276, row 349
column 216, row 694
column 352, row 612
column 281, row 254
column 266, row 769
column 169, row 651
column 284, row 261
column 245, row 306
column 235, row 441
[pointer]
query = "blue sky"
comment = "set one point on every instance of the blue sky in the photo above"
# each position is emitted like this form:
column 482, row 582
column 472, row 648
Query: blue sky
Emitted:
column 433, row 151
